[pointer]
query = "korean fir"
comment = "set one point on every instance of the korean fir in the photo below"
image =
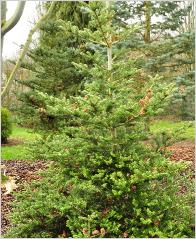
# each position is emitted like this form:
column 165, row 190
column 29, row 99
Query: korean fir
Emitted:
column 104, row 182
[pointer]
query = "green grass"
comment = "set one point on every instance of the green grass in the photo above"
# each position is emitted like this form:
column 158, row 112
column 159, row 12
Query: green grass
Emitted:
column 189, row 133
column 13, row 152
column 22, row 133
column 18, row 151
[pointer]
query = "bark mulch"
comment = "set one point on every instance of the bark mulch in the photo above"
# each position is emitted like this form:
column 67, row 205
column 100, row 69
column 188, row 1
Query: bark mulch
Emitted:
column 183, row 151
column 21, row 171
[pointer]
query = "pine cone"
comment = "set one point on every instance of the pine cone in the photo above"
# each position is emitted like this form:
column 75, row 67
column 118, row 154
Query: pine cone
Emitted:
column 125, row 234
column 85, row 231
column 103, row 231
column 95, row 232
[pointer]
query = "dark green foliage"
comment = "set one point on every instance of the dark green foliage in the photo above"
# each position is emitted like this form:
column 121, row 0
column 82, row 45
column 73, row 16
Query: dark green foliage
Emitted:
column 51, row 61
column 6, row 125
column 168, row 17
column 103, row 180
column 170, row 49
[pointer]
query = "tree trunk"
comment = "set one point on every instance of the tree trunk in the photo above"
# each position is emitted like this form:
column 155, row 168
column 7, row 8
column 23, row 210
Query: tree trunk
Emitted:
column 3, row 19
column 8, row 25
column 147, row 9
column 24, row 51
column 109, row 47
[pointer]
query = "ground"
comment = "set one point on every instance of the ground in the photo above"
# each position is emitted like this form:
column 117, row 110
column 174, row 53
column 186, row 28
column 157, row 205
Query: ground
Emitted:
column 13, row 155
column 21, row 171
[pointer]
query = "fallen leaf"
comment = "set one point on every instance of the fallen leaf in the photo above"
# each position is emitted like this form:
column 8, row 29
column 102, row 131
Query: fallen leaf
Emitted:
column 10, row 185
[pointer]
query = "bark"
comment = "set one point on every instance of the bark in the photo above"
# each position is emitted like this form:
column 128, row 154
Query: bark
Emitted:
column 24, row 50
column 147, row 7
column 3, row 11
column 8, row 25
column 109, row 44
column 3, row 19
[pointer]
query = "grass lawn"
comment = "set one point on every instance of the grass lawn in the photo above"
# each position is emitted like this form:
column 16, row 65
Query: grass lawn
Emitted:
column 189, row 133
column 22, row 133
column 13, row 152
column 17, row 151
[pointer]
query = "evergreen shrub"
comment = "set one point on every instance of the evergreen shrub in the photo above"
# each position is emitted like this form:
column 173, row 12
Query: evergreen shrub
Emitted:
column 103, row 181
column 6, row 125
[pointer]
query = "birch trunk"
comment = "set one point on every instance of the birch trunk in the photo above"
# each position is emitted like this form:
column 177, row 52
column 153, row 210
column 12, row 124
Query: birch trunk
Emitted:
column 3, row 19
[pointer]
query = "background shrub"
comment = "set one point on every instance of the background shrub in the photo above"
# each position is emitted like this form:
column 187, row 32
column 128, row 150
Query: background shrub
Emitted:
column 6, row 125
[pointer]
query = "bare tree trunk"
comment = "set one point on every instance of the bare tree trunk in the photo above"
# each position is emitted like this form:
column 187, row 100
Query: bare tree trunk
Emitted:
column 3, row 12
column 6, row 26
column 109, row 47
column 24, row 51
column 147, row 7
column 3, row 19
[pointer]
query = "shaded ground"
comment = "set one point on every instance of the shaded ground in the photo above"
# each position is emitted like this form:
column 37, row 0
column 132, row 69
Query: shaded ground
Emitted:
column 13, row 141
column 23, row 171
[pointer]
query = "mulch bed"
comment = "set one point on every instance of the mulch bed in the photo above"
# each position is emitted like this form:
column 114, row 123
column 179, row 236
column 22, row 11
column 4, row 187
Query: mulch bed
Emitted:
column 183, row 151
column 23, row 171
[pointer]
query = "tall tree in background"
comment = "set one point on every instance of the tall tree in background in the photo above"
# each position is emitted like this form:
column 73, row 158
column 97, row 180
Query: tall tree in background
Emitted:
column 165, row 46
column 20, row 59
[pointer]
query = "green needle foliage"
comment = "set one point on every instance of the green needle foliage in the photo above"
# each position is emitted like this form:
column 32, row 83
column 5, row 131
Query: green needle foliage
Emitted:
column 103, row 181
column 6, row 125
column 165, row 46
column 50, row 61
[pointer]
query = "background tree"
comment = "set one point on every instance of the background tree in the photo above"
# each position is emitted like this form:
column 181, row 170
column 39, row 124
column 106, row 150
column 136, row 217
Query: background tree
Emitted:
column 7, row 25
column 168, row 50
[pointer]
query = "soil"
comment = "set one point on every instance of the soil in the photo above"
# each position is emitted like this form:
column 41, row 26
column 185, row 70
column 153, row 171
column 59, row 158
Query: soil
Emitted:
column 183, row 151
column 13, row 142
column 21, row 171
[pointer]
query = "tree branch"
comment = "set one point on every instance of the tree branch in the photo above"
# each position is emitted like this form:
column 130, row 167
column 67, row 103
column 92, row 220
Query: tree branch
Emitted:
column 25, row 49
column 8, row 25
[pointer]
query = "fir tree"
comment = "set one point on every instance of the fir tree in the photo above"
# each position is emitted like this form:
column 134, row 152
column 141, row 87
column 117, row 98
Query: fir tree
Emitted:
column 50, row 61
column 162, row 47
column 105, row 182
